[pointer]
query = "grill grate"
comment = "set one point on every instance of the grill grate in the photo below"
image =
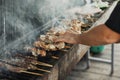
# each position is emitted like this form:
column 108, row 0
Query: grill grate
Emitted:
column 31, row 68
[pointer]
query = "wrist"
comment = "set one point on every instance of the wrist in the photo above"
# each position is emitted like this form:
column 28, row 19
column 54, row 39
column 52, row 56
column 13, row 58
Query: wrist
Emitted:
column 77, row 41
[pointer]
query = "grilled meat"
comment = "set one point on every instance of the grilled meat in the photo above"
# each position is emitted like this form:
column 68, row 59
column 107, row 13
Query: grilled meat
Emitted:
column 46, row 42
column 36, row 52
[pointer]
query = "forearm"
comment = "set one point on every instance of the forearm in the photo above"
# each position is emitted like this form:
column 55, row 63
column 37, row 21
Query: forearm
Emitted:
column 99, row 35
column 91, row 40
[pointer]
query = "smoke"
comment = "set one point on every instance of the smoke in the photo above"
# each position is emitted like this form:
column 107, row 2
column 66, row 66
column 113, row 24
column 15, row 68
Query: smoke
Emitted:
column 22, row 21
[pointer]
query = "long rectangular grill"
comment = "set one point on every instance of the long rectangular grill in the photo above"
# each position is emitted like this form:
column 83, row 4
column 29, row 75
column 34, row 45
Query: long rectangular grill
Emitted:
column 52, row 67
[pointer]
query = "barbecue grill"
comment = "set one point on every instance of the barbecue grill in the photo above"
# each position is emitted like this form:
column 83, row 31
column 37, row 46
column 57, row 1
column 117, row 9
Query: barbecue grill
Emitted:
column 50, row 67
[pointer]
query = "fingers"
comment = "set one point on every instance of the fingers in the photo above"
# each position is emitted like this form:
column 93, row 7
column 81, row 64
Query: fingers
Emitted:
column 64, row 37
column 59, row 39
column 71, row 32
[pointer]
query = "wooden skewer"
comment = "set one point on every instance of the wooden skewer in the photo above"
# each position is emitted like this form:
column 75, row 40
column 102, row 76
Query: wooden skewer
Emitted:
column 55, row 57
column 42, row 63
column 43, row 70
column 67, row 47
column 38, row 62
column 65, row 51
column 33, row 73
column 36, row 68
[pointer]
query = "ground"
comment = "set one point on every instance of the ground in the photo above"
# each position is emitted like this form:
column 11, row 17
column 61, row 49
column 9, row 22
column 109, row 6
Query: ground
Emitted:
column 97, row 70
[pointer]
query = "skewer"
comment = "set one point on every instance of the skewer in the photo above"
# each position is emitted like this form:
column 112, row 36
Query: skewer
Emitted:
column 36, row 68
column 42, row 63
column 37, row 62
column 67, row 46
column 55, row 57
column 33, row 73
column 24, row 69
column 43, row 70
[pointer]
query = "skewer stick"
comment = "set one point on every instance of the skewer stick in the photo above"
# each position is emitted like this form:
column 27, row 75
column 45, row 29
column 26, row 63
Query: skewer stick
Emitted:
column 33, row 73
column 38, row 62
column 67, row 46
column 43, row 70
column 36, row 68
column 55, row 57
column 42, row 63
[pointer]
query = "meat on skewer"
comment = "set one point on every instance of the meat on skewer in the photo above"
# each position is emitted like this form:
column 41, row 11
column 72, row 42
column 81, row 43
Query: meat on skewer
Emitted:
column 46, row 42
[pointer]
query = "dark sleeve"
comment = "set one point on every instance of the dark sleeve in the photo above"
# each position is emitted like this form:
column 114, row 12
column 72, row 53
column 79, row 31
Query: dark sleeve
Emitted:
column 114, row 20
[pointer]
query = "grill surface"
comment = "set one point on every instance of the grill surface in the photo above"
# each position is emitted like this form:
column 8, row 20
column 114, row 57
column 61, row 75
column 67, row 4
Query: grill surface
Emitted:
column 49, row 68
column 19, row 70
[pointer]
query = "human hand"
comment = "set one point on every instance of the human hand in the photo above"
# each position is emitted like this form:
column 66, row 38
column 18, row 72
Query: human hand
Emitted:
column 68, row 37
